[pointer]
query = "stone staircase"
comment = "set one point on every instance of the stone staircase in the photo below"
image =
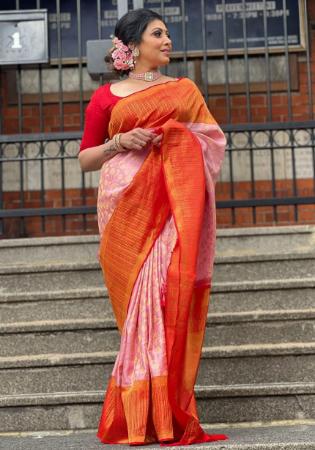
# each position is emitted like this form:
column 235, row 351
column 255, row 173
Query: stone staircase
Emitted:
column 58, row 339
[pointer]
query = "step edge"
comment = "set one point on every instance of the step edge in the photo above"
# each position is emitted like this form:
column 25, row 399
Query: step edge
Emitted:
column 49, row 241
column 217, row 287
column 69, row 294
column 216, row 391
column 263, row 285
column 221, row 233
column 44, row 267
column 222, row 259
column 218, row 352
column 262, row 231
column 17, row 269
column 109, row 323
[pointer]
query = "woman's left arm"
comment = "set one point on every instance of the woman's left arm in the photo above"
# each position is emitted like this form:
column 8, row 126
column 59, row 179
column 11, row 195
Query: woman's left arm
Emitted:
column 94, row 157
column 93, row 149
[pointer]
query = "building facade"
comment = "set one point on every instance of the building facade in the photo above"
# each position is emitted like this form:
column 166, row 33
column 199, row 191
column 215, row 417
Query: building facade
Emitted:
column 254, row 62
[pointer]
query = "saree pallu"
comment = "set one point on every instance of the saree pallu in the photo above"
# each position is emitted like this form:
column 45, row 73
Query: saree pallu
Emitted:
column 156, row 212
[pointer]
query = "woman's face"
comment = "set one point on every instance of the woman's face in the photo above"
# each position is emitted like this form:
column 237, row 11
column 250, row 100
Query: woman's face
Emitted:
column 155, row 46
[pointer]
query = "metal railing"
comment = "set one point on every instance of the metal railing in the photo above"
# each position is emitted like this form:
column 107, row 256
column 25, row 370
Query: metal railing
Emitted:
column 273, row 147
column 274, row 150
column 270, row 155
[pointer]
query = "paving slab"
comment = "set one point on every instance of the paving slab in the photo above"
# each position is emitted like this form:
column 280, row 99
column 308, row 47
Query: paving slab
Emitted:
column 284, row 437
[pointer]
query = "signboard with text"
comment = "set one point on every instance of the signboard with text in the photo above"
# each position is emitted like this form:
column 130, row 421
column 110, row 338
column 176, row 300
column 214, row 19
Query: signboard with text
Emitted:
column 244, row 27
column 23, row 37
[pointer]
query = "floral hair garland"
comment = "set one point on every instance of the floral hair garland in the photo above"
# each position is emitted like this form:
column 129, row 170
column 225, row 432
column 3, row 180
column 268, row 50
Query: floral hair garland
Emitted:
column 122, row 55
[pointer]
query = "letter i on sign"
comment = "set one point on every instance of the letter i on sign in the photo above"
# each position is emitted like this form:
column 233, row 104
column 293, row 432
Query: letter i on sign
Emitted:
column 16, row 40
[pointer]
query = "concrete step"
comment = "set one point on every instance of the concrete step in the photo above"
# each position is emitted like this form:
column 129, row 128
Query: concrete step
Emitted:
column 93, row 303
column 264, row 267
column 68, row 309
column 94, row 335
column 239, row 403
column 58, row 340
column 45, row 277
column 51, row 249
column 55, row 295
column 258, row 240
column 297, row 435
column 224, row 365
column 229, row 242
column 257, row 296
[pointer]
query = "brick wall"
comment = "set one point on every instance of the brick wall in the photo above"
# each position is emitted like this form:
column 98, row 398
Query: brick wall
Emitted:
column 263, row 216
column 259, row 113
column 279, row 100
column 51, row 225
column 31, row 116
column 217, row 104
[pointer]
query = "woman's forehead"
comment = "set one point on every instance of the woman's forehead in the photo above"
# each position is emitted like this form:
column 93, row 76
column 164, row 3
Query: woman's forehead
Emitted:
column 156, row 24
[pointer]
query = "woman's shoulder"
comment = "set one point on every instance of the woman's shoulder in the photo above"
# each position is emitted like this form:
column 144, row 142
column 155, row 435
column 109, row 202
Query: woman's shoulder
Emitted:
column 101, row 92
column 190, row 86
column 183, row 81
column 188, row 81
column 102, row 97
column 167, row 78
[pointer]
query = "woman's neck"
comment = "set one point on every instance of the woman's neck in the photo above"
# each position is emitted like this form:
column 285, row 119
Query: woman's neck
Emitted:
column 142, row 68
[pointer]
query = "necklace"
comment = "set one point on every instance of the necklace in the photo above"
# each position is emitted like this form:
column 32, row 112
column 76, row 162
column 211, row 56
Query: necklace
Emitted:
column 146, row 76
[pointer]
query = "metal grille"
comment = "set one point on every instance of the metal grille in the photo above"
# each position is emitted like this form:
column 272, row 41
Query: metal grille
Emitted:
column 258, row 86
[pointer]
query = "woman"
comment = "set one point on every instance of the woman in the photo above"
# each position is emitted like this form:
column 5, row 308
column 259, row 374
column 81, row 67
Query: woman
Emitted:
column 156, row 214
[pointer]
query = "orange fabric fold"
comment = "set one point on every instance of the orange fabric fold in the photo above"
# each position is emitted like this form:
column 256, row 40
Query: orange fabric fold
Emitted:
column 171, row 180
column 127, row 419
column 130, row 234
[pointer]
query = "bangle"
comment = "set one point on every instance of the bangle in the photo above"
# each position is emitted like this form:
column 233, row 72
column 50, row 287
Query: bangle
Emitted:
column 114, row 145
column 117, row 143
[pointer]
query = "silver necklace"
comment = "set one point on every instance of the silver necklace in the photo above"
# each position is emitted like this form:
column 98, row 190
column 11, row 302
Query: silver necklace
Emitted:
column 146, row 76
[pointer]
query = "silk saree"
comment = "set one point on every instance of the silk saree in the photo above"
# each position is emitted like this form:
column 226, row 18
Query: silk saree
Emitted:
column 156, row 213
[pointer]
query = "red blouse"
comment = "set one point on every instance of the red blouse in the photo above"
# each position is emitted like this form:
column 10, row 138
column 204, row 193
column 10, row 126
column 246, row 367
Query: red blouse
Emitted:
column 97, row 117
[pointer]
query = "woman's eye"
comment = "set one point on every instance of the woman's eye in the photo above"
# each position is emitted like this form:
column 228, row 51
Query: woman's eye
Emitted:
column 159, row 34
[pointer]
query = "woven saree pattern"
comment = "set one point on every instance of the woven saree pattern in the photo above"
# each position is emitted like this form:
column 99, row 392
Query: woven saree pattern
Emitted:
column 156, row 253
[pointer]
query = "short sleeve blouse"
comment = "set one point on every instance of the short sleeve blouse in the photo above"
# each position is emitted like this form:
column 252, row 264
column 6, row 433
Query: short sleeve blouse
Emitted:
column 97, row 117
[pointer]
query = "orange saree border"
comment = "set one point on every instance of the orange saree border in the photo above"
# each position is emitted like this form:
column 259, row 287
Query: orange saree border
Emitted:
column 126, row 413
column 139, row 218
column 171, row 180
column 186, row 305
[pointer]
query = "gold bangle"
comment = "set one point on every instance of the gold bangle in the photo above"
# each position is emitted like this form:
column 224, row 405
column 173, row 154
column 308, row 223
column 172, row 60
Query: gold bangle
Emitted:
column 118, row 145
column 115, row 142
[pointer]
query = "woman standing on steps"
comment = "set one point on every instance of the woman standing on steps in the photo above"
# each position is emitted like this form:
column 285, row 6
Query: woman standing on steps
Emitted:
column 156, row 213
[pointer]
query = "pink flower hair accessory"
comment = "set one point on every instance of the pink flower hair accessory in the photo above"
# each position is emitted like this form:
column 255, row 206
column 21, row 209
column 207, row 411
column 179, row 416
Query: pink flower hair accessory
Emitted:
column 122, row 55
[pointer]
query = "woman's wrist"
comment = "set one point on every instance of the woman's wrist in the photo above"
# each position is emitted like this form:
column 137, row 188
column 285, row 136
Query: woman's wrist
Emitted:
column 109, row 147
column 117, row 142
column 113, row 145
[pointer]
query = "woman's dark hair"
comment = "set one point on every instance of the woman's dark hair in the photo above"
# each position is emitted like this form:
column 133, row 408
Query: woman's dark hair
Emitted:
column 130, row 28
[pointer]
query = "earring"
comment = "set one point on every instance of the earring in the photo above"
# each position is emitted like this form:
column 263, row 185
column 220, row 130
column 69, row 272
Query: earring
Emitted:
column 135, row 52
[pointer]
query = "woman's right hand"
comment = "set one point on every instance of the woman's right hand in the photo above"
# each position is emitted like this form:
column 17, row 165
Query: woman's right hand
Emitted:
column 137, row 139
